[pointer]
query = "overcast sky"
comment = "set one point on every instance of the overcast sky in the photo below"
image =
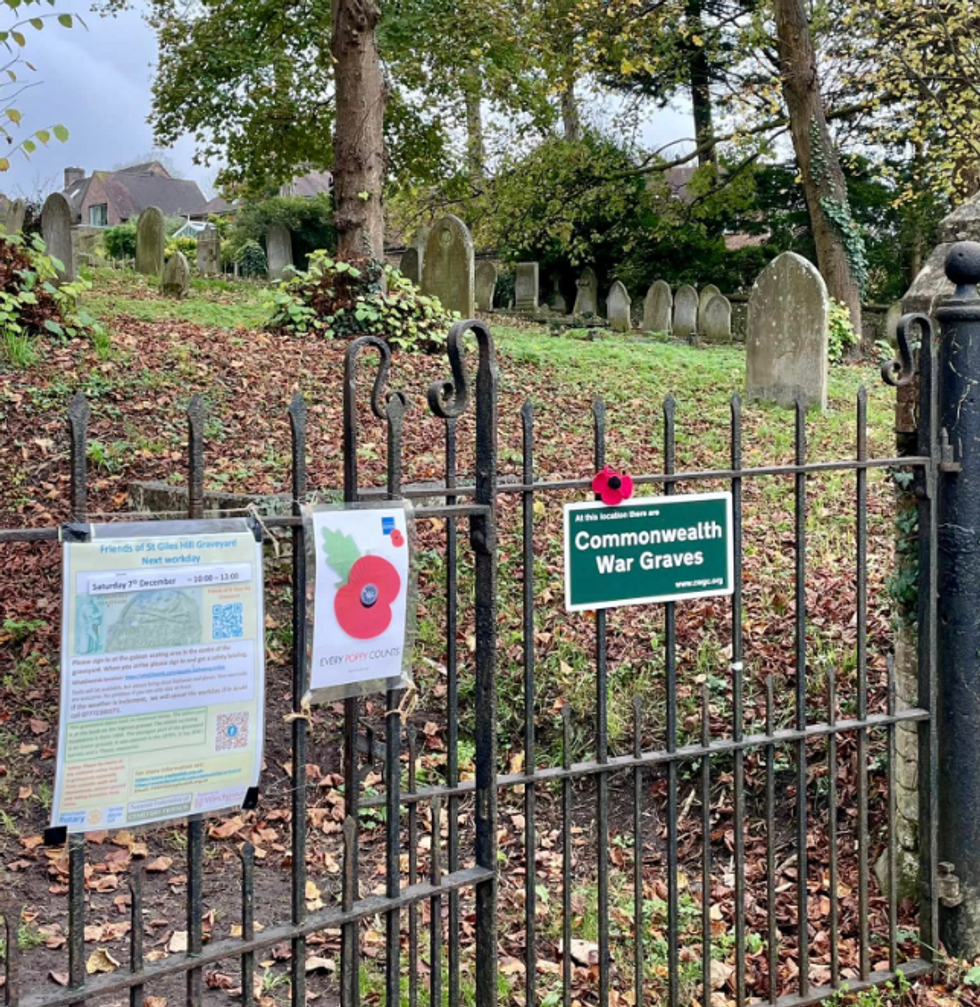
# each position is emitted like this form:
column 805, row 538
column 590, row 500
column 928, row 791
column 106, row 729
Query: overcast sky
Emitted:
column 97, row 83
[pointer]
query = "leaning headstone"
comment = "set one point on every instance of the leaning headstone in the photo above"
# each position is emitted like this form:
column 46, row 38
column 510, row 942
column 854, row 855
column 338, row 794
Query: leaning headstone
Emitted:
column 176, row 276
column 209, row 252
column 278, row 251
column 151, row 236
column 715, row 322
column 526, row 286
column 786, row 341
column 485, row 282
column 618, row 308
column 448, row 268
column 13, row 212
column 587, row 298
column 56, row 231
column 704, row 299
column 657, row 307
column 685, row 312
column 410, row 265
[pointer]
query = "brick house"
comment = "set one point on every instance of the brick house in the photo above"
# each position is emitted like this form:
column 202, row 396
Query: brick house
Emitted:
column 108, row 198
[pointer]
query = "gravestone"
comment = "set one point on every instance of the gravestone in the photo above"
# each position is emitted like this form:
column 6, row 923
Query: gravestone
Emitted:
column 13, row 215
column 704, row 299
column 151, row 236
column 715, row 322
column 587, row 297
column 56, row 231
column 686, row 312
column 209, row 252
column 448, row 268
column 657, row 307
column 176, row 279
column 278, row 251
column 618, row 308
column 526, row 286
column 892, row 319
column 558, row 302
column 410, row 265
column 485, row 282
column 786, row 341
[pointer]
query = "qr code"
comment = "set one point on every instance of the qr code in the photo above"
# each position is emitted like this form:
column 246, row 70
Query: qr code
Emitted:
column 231, row 731
column 226, row 621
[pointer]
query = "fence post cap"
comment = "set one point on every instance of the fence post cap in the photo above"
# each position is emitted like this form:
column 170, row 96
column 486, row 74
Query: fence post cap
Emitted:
column 963, row 264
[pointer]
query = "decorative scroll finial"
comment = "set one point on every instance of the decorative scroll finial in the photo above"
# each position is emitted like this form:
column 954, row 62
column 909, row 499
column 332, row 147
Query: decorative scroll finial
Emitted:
column 380, row 380
column 901, row 372
column 449, row 399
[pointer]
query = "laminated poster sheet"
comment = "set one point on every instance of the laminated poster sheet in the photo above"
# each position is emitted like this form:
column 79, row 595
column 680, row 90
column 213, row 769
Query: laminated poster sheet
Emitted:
column 162, row 673
column 363, row 598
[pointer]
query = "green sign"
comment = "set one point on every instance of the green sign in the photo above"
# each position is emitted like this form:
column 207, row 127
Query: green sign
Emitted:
column 652, row 549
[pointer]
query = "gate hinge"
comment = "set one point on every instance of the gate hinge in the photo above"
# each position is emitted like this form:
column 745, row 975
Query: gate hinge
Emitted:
column 949, row 886
column 946, row 461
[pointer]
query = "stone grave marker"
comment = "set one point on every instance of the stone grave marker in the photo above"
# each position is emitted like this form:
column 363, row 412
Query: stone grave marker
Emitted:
column 485, row 282
column 787, row 334
column 618, row 308
column 278, row 251
column 56, row 231
column 209, row 252
column 892, row 319
column 448, row 267
column 587, row 296
column 704, row 299
column 14, row 211
column 715, row 322
column 658, row 306
column 151, row 236
column 686, row 312
column 410, row 265
column 176, row 280
column 526, row 280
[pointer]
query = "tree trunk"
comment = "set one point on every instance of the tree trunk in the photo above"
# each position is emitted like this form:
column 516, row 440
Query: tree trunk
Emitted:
column 476, row 153
column 569, row 113
column 701, row 87
column 819, row 164
column 359, row 154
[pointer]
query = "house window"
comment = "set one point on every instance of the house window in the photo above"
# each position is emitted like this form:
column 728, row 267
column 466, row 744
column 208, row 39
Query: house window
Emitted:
column 98, row 215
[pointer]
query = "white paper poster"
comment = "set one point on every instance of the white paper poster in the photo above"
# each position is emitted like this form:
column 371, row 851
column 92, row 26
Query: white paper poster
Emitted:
column 361, row 601
column 162, row 674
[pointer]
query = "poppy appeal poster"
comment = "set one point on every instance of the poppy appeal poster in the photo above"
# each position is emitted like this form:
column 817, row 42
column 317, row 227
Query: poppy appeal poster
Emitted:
column 360, row 599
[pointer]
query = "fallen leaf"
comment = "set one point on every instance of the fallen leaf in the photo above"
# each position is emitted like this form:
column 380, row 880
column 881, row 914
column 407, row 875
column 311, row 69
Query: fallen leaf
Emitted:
column 100, row 961
column 316, row 964
column 158, row 865
column 178, row 942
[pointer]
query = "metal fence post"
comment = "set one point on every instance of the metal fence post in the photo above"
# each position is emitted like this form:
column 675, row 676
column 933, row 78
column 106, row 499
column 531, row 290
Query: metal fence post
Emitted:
column 958, row 629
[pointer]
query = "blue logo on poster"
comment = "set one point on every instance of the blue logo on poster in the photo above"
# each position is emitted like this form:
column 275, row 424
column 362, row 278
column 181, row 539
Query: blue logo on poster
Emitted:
column 232, row 731
column 387, row 525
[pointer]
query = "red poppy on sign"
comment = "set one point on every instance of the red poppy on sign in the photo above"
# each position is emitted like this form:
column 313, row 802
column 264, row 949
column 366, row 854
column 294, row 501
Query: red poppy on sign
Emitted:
column 612, row 487
column 363, row 604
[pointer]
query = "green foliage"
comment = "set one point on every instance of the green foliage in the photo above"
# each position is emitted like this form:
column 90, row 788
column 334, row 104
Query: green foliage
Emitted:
column 31, row 304
column 309, row 221
column 251, row 260
column 838, row 212
column 344, row 300
column 185, row 243
column 120, row 241
column 842, row 337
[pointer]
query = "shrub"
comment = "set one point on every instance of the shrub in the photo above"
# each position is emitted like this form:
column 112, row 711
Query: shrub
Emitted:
column 309, row 221
column 842, row 337
column 30, row 303
column 120, row 241
column 251, row 259
column 185, row 244
column 343, row 300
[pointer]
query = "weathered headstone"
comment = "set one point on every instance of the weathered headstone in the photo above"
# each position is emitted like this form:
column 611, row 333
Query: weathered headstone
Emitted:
column 56, row 231
column 715, row 322
column 13, row 212
column 410, row 265
column 686, row 312
column 176, row 279
column 278, row 251
column 658, row 306
column 618, row 308
column 209, row 252
column 485, row 282
column 587, row 298
column 151, row 236
column 448, row 268
column 786, row 341
column 892, row 319
column 704, row 299
column 526, row 286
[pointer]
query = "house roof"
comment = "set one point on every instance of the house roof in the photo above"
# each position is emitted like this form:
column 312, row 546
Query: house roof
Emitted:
column 310, row 184
column 216, row 205
column 132, row 190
